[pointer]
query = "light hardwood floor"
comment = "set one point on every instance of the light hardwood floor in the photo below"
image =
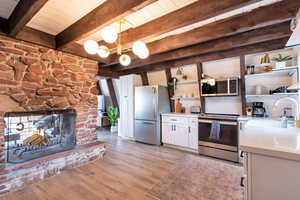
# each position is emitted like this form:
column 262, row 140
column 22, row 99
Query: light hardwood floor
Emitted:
column 128, row 171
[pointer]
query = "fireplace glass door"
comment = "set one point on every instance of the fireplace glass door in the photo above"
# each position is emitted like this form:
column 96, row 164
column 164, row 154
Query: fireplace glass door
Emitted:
column 30, row 135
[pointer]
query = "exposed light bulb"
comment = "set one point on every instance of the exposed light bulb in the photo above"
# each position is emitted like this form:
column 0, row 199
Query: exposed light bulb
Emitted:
column 109, row 34
column 103, row 51
column 91, row 46
column 138, row 47
column 143, row 54
column 125, row 60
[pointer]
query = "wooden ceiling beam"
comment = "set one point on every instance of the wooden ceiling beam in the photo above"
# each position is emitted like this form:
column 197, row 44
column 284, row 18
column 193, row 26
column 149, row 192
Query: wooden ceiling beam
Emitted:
column 22, row 14
column 77, row 49
column 105, row 72
column 250, row 37
column 195, row 12
column 257, row 18
column 105, row 14
column 250, row 49
column 36, row 37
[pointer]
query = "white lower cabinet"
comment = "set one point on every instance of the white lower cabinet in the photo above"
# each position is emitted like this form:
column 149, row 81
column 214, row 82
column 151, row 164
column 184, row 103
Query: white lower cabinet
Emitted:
column 180, row 135
column 180, row 131
column 167, row 130
column 193, row 137
column 271, row 178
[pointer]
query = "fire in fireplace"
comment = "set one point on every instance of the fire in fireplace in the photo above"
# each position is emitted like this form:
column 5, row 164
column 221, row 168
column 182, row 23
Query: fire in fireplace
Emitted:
column 30, row 135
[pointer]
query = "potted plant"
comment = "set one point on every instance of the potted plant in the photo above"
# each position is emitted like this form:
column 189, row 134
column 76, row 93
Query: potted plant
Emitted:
column 113, row 118
column 281, row 61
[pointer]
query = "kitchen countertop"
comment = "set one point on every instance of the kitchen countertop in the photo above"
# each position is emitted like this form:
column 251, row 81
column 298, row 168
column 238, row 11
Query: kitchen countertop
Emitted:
column 180, row 114
column 264, row 136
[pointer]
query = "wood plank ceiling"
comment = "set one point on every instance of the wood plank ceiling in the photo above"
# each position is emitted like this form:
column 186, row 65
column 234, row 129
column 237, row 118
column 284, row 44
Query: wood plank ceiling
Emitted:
column 176, row 31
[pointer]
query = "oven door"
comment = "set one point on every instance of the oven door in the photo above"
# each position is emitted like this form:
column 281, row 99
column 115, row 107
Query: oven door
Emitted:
column 228, row 139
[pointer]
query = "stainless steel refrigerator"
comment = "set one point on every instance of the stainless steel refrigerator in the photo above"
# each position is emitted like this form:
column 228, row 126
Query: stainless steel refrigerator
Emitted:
column 150, row 102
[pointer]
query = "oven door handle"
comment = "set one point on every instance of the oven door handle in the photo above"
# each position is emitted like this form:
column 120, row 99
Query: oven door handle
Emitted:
column 221, row 122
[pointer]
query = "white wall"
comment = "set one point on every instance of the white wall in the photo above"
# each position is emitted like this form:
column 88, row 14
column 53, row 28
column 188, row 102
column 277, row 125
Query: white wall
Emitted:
column 105, row 92
column 187, row 90
column 220, row 69
column 157, row 78
column 271, row 82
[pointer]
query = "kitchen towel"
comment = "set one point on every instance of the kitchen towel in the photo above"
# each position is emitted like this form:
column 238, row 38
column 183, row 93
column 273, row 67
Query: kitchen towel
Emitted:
column 215, row 130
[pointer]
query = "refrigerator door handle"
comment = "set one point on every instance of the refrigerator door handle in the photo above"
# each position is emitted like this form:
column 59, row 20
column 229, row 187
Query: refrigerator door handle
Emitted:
column 154, row 103
column 144, row 122
column 154, row 90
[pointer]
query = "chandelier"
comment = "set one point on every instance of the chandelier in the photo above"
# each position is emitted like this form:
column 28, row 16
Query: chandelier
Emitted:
column 110, row 35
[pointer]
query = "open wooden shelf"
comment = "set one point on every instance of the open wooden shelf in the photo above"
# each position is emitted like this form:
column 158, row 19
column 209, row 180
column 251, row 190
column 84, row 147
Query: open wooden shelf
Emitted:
column 271, row 95
column 187, row 82
column 186, row 98
column 287, row 71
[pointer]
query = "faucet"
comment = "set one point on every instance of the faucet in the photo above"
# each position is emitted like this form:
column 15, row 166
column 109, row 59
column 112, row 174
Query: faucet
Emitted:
column 284, row 117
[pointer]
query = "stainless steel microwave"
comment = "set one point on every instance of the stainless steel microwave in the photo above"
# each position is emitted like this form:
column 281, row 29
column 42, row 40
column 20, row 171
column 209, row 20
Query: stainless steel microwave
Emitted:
column 220, row 87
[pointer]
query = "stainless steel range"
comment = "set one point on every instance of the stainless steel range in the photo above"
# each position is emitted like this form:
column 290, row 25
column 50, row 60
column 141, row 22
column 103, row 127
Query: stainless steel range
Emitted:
column 218, row 136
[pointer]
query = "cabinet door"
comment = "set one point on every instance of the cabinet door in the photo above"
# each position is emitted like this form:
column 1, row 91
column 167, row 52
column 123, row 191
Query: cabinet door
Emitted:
column 181, row 135
column 123, row 117
column 274, row 178
column 167, row 133
column 193, row 137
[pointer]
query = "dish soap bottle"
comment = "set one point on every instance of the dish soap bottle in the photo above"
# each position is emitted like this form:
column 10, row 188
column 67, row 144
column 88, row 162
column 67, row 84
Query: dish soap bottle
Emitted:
column 178, row 106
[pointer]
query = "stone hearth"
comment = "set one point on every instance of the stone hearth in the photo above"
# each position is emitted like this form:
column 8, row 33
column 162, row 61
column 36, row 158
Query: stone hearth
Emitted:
column 34, row 78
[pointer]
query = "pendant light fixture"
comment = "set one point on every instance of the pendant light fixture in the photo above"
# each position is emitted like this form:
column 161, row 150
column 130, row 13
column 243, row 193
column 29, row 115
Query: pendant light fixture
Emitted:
column 125, row 60
column 103, row 51
column 140, row 49
column 110, row 35
column 91, row 46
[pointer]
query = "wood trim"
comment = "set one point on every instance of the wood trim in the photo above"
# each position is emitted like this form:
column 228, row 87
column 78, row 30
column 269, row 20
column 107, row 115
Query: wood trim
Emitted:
column 112, row 93
column 105, row 14
column 170, row 88
column 260, row 17
column 195, row 12
column 23, row 13
column 145, row 80
column 202, row 98
column 242, row 83
column 243, row 39
column 250, row 49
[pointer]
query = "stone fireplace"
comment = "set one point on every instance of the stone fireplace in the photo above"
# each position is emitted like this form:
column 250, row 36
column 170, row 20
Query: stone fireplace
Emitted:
column 30, row 135
column 43, row 91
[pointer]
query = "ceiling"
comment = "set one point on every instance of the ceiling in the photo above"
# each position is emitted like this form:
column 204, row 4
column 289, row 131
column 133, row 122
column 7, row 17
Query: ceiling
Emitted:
column 146, row 14
column 216, row 18
column 57, row 15
column 7, row 6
